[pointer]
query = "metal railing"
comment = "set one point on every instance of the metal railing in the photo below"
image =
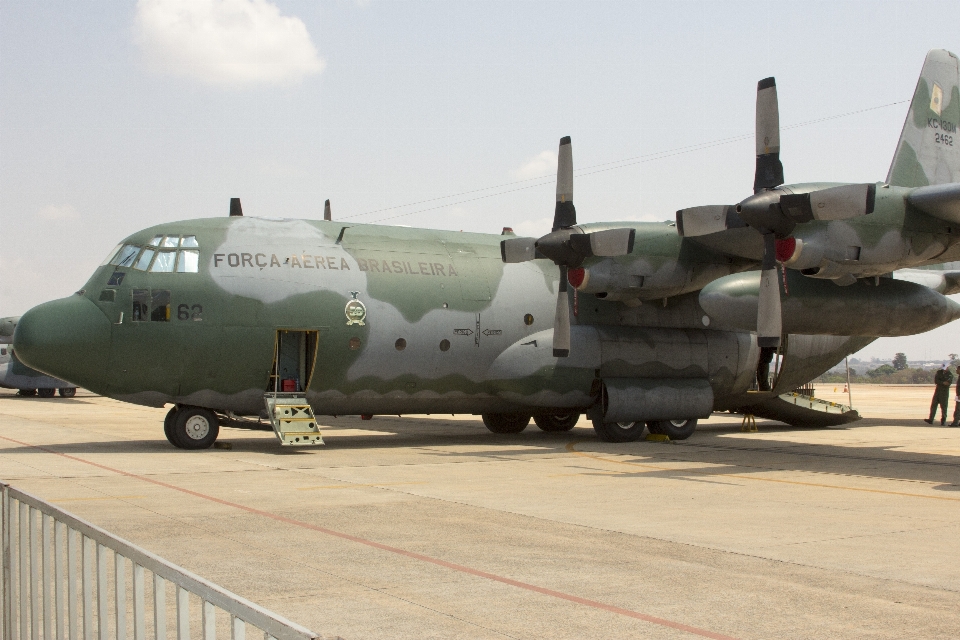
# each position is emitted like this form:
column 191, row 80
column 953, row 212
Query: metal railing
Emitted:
column 58, row 584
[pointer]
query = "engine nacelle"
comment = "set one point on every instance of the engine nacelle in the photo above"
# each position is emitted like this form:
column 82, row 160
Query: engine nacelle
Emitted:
column 888, row 308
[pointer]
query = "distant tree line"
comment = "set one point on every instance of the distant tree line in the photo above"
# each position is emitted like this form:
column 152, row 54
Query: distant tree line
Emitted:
column 897, row 372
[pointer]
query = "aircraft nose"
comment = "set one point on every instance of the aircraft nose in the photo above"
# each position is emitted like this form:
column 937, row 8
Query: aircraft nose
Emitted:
column 68, row 339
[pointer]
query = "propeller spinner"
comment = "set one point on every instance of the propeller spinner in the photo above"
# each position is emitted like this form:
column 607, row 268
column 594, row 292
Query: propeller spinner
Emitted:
column 567, row 246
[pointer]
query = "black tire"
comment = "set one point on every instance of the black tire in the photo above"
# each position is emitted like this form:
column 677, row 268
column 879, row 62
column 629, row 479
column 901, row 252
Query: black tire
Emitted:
column 68, row 392
column 618, row 431
column 557, row 422
column 46, row 393
column 505, row 422
column 27, row 393
column 674, row 429
column 168, row 421
column 195, row 428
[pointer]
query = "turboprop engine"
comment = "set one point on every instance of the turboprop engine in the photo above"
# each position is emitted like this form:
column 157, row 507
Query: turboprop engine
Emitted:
column 883, row 307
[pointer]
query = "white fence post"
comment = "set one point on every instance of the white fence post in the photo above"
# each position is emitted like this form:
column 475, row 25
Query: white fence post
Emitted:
column 34, row 537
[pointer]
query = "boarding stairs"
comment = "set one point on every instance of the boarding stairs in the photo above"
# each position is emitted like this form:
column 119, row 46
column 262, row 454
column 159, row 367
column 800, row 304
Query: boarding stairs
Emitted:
column 292, row 419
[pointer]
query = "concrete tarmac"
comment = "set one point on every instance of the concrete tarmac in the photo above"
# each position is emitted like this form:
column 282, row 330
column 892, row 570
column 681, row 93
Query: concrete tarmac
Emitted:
column 432, row 527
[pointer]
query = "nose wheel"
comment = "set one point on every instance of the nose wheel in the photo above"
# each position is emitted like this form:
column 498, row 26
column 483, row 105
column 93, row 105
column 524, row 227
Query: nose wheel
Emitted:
column 191, row 427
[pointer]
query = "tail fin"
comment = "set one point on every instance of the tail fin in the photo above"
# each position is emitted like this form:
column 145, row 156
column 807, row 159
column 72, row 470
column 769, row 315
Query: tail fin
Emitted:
column 929, row 148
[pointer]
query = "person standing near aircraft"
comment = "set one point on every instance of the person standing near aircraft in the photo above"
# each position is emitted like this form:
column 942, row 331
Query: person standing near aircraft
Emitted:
column 943, row 379
column 956, row 403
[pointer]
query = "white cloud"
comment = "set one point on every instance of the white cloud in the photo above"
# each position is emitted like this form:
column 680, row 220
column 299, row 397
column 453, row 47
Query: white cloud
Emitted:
column 533, row 228
column 544, row 164
column 58, row 213
column 225, row 42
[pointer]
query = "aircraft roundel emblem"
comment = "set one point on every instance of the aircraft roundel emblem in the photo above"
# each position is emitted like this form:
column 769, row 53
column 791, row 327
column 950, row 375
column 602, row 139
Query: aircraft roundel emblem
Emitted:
column 355, row 311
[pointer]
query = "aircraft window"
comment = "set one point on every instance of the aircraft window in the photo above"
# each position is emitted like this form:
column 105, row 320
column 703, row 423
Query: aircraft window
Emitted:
column 189, row 241
column 126, row 255
column 3, row 352
column 155, row 241
column 164, row 262
column 141, row 308
column 115, row 279
column 171, row 241
column 108, row 295
column 144, row 260
column 111, row 255
column 160, row 305
column 188, row 262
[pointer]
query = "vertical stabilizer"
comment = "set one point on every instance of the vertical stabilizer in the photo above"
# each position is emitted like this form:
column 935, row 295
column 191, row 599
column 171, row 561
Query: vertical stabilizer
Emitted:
column 929, row 148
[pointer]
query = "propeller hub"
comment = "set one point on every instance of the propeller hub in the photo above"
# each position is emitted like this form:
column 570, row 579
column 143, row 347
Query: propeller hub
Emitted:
column 762, row 212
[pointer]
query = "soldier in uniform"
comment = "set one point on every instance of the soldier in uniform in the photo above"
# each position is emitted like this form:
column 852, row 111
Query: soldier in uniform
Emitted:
column 943, row 379
column 956, row 403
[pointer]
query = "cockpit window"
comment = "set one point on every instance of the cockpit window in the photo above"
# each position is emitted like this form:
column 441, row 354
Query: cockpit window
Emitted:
column 126, row 255
column 188, row 262
column 164, row 262
column 144, row 261
column 111, row 255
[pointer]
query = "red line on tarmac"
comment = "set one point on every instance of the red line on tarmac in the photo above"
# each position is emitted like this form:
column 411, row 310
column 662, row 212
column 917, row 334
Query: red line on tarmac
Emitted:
column 410, row 554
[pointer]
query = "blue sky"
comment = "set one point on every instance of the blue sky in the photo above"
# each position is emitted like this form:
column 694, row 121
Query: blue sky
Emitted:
column 115, row 116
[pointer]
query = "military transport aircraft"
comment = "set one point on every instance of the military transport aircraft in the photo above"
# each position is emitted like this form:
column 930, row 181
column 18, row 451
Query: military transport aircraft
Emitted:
column 15, row 375
column 638, row 325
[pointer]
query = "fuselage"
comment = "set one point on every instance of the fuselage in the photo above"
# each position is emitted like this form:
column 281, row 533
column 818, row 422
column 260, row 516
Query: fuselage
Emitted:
column 376, row 319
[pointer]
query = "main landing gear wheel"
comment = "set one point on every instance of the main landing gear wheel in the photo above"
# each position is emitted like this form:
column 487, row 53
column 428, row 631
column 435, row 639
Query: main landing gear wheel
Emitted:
column 557, row 422
column 168, row 426
column 194, row 428
column 68, row 392
column 674, row 429
column 618, row 431
column 46, row 393
column 27, row 393
column 505, row 422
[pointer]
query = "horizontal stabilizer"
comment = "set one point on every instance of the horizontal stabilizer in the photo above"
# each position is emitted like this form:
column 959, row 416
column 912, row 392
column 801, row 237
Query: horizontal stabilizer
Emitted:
column 942, row 201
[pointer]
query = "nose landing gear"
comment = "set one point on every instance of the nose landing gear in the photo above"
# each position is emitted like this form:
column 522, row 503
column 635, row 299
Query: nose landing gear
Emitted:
column 191, row 427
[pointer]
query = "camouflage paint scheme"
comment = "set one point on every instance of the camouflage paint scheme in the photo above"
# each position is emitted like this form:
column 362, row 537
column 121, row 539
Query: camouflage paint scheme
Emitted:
column 640, row 316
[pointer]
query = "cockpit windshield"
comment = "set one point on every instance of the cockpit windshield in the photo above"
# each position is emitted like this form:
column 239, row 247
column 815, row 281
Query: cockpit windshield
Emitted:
column 163, row 254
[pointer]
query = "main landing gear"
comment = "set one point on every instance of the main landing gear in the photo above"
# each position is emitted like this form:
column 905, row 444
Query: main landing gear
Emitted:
column 191, row 427
column 65, row 392
column 517, row 422
column 631, row 431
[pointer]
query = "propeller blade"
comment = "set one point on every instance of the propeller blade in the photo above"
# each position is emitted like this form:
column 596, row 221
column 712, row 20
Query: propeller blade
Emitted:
column 561, row 322
column 701, row 221
column 769, row 320
column 602, row 244
column 326, row 211
column 612, row 242
column 836, row 203
column 514, row 250
column 769, row 172
column 565, row 215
